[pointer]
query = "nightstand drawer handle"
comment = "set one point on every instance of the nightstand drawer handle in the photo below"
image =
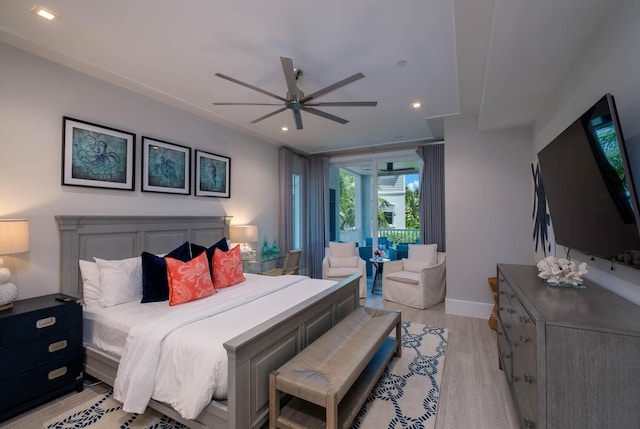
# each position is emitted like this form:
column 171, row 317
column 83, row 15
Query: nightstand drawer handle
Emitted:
column 59, row 345
column 46, row 322
column 57, row 372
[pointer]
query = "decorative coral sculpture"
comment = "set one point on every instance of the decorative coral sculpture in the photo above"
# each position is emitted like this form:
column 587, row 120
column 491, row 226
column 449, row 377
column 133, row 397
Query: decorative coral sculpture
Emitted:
column 560, row 271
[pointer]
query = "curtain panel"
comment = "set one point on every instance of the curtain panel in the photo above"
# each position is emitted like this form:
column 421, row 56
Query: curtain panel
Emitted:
column 431, row 206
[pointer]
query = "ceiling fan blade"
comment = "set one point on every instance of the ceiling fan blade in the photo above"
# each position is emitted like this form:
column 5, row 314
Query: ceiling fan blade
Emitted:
column 325, row 115
column 247, row 104
column 344, row 103
column 333, row 87
column 246, row 85
column 298, row 118
column 289, row 77
column 269, row 115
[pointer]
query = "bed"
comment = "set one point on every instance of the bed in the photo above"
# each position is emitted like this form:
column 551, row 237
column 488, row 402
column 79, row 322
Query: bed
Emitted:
column 251, row 355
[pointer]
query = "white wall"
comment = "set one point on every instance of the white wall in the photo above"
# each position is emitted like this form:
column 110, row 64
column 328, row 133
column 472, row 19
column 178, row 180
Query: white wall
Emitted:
column 34, row 96
column 488, row 203
column 611, row 63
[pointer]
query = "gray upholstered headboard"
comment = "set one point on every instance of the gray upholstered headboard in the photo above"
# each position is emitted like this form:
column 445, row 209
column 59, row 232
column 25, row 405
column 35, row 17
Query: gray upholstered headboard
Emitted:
column 119, row 237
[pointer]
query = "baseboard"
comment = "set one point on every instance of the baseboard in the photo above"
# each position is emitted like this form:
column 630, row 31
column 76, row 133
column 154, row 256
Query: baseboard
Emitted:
column 481, row 310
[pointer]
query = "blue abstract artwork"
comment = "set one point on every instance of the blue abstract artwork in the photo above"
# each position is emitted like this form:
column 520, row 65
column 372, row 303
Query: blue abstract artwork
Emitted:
column 98, row 156
column 213, row 175
column 540, row 215
column 167, row 167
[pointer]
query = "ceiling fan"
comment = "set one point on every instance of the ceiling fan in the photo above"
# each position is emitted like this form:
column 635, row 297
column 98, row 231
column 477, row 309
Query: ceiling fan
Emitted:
column 295, row 99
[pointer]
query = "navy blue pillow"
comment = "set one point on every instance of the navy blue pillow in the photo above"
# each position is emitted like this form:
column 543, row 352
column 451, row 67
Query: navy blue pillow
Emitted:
column 155, row 285
column 196, row 250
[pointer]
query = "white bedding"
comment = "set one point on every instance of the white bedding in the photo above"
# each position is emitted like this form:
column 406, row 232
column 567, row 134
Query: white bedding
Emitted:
column 180, row 360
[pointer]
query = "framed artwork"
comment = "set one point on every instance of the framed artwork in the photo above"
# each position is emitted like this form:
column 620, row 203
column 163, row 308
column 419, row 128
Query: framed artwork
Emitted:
column 213, row 175
column 97, row 156
column 166, row 167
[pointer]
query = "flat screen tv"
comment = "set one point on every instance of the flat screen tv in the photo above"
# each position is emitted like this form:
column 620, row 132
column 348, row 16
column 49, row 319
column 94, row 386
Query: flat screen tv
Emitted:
column 589, row 187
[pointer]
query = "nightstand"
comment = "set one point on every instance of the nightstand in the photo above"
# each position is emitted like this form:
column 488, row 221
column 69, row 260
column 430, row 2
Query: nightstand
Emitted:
column 261, row 264
column 40, row 352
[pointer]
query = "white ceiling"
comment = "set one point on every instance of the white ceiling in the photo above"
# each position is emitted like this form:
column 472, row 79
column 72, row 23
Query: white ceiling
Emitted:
column 499, row 59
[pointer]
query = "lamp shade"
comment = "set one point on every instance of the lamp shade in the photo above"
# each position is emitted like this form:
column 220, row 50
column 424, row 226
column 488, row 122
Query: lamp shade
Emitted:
column 14, row 236
column 243, row 233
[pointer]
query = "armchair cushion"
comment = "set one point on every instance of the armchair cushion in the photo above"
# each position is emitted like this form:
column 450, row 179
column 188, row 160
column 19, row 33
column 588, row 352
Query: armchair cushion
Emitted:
column 340, row 272
column 409, row 277
column 415, row 266
column 345, row 261
column 424, row 252
column 342, row 249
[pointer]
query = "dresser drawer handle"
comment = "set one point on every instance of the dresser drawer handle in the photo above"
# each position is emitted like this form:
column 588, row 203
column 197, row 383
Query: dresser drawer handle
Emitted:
column 46, row 322
column 529, row 379
column 529, row 424
column 57, row 373
column 524, row 340
column 510, row 310
column 507, row 356
column 523, row 319
column 58, row 345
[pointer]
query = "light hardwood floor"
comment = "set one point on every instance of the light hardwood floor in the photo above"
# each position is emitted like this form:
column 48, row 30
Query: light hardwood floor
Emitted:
column 474, row 391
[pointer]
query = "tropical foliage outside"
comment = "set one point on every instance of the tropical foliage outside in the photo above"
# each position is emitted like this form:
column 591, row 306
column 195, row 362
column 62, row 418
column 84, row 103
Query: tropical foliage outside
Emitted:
column 348, row 208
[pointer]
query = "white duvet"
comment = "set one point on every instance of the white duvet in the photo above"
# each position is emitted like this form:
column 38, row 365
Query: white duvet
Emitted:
column 181, row 360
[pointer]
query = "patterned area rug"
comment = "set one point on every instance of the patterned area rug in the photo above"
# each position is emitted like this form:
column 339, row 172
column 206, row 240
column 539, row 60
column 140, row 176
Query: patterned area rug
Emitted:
column 407, row 394
column 106, row 413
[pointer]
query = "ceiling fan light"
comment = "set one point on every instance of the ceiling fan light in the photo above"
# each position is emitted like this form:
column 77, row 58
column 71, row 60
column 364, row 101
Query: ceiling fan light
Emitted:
column 285, row 129
column 416, row 105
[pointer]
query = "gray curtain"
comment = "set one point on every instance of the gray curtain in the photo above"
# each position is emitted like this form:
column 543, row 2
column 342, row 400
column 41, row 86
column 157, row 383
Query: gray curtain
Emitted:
column 318, row 213
column 286, row 205
column 432, row 221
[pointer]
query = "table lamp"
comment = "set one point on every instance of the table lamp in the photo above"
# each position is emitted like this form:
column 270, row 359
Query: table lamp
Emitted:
column 14, row 238
column 244, row 234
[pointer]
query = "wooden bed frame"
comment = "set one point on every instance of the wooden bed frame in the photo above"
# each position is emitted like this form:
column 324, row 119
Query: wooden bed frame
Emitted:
column 252, row 355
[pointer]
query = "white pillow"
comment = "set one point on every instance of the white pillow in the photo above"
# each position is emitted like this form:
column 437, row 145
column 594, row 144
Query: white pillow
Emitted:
column 90, row 274
column 413, row 265
column 120, row 281
column 342, row 249
column 427, row 253
column 350, row 261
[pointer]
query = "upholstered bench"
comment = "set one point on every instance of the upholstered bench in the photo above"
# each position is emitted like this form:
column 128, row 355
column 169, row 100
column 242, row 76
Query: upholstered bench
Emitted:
column 330, row 380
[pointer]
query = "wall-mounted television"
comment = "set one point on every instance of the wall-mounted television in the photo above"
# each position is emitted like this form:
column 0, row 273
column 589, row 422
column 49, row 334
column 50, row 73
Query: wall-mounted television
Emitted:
column 590, row 189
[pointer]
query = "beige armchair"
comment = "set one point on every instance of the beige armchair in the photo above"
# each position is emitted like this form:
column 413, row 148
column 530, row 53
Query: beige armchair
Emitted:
column 418, row 281
column 341, row 260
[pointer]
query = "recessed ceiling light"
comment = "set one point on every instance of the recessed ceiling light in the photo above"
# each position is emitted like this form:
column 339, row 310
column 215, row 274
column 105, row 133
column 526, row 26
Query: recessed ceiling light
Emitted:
column 285, row 129
column 416, row 105
column 401, row 63
column 44, row 13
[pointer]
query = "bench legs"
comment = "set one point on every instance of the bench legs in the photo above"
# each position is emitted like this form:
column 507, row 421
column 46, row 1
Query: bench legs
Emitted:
column 274, row 401
column 332, row 411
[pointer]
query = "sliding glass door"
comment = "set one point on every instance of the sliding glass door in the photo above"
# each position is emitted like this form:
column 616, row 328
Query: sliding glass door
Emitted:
column 374, row 202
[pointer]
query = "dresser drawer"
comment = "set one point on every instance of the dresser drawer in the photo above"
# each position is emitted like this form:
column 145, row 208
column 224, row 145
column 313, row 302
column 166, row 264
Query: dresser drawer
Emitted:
column 40, row 324
column 505, row 351
column 40, row 380
column 19, row 358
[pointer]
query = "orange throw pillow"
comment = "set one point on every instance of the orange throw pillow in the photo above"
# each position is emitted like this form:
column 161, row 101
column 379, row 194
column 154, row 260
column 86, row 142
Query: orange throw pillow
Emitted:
column 227, row 268
column 189, row 281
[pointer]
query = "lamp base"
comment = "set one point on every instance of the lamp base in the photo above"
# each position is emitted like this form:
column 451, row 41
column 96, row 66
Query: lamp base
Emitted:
column 6, row 306
column 8, row 293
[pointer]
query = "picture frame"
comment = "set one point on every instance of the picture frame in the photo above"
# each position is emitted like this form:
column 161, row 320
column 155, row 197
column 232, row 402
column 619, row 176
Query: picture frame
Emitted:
column 212, row 175
column 97, row 156
column 166, row 167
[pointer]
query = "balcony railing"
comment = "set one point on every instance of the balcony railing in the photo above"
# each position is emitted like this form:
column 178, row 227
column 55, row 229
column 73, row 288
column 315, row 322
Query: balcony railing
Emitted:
column 394, row 235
